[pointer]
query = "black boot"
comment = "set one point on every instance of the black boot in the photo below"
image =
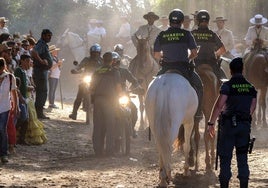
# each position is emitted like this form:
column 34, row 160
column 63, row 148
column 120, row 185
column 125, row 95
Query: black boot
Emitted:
column 22, row 132
column 243, row 183
column 75, row 109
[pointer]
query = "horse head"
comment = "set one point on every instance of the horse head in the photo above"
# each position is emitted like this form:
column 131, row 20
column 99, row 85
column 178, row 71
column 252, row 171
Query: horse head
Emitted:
column 143, row 45
column 62, row 40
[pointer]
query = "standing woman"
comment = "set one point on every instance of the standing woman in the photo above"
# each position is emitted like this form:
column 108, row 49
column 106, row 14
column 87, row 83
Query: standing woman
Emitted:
column 54, row 75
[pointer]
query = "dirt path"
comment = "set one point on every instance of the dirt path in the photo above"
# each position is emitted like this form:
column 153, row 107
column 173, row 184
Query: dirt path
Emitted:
column 67, row 160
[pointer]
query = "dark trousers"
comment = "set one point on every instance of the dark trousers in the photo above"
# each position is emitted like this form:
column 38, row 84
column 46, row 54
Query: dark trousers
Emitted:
column 233, row 137
column 82, row 95
column 104, row 119
column 40, row 79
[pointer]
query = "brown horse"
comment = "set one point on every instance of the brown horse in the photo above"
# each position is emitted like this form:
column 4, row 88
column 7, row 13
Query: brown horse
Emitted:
column 143, row 67
column 211, row 87
column 256, row 72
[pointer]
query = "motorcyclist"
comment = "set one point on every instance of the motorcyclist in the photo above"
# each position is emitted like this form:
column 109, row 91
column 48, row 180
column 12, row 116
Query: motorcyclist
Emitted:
column 126, row 75
column 87, row 65
column 125, row 59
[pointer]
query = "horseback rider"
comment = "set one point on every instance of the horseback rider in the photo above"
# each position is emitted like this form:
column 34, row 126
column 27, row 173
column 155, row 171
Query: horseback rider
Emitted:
column 87, row 65
column 171, row 47
column 126, row 75
column 149, row 30
column 225, row 35
column 211, row 46
column 125, row 59
column 257, row 34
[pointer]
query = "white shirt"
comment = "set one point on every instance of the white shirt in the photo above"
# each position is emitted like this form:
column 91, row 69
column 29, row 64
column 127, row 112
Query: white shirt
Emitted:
column 124, row 31
column 145, row 31
column 4, row 30
column 227, row 38
column 253, row 32
column 5, row 96
column 55, row 70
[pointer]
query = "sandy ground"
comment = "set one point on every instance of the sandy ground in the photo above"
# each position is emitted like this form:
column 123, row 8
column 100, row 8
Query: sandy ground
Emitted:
column 67, row 160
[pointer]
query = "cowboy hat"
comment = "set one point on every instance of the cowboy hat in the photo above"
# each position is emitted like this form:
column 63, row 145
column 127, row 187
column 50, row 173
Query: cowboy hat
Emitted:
column 53, row 48
column 3, row 19
column 151, row 14
column 258, row 19
column 220, row 18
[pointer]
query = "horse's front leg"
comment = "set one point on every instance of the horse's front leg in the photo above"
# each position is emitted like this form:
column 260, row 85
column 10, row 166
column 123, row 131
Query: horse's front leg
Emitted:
column 197, row 140
column 207, row 157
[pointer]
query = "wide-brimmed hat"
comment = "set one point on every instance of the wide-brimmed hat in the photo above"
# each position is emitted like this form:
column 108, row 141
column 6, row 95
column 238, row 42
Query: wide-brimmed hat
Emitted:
column 151, row 14
column 187, row 18
column 3, row 19
column 53, row 48
column 164, row 17
column 220, row 18
column 258, row 19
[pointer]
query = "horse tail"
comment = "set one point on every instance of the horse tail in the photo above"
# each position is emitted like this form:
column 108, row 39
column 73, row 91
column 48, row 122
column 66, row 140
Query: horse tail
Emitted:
column 180, row 139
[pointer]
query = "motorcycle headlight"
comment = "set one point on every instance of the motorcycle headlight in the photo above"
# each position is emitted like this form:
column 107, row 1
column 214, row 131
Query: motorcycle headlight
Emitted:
column 87, row 79
column 123, row 100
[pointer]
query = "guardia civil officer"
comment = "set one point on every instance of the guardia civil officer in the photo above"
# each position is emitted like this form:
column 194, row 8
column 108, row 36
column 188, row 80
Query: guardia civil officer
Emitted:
column 105, row 90
column 211, row 46
column 236, row 103
column 171, row 47
column 126, row 75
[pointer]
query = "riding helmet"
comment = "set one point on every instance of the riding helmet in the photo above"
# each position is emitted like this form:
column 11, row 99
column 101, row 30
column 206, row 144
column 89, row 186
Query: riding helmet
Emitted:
column 118, row 47
column 176, row 16
column 95, row 48
column 202, row 16
column 116, row 57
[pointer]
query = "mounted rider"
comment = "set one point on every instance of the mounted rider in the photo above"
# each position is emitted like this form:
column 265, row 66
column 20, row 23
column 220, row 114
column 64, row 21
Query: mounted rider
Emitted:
column 88, row 65
column 171, row 47
column 211, row 46
column 124, row 59
column 257, row 34
column 256, row 38
column 149, row 30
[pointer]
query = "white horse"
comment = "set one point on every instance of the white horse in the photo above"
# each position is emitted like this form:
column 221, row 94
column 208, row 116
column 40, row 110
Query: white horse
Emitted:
column 170, row 103
column 76, row 44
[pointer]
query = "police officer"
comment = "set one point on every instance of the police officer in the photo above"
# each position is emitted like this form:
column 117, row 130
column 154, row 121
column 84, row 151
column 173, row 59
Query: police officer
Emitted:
column 126, row 75
column 171, row 47
column 236, row 102
column 211, row 46
column 87, row 65
column 105, row 89
column 125, row 59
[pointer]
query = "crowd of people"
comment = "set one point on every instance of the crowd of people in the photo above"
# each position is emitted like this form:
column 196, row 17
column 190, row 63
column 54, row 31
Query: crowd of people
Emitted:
column 30, row 71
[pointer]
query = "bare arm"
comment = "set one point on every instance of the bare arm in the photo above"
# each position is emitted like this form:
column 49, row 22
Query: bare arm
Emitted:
column 193, row 54
column 253, row 106
column 157, row 56
column 220, row 52
column 217, row 108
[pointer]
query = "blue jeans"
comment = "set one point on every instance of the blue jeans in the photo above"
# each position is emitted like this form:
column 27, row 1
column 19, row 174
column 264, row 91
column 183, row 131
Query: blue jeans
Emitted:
column 53, row 83
column 3, row 133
